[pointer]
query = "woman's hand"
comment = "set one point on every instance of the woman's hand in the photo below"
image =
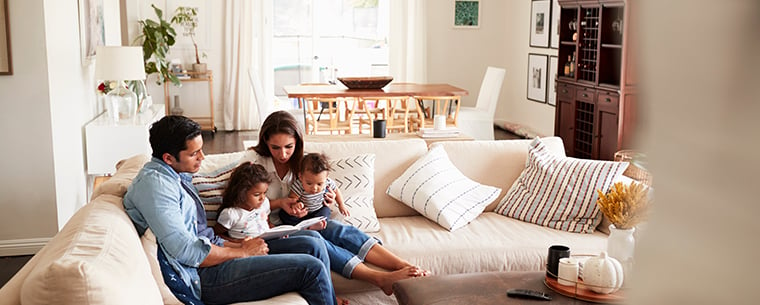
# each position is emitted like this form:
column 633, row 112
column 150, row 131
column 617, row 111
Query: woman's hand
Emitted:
column 295, row 208
column 254, row 246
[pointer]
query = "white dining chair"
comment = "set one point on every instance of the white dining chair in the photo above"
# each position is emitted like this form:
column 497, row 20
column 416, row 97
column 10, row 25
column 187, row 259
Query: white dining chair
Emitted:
column 477, row 122
column 265, row 106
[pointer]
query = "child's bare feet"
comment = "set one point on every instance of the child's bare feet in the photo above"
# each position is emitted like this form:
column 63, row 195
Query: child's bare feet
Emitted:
column 342, row 301
column 386, row 282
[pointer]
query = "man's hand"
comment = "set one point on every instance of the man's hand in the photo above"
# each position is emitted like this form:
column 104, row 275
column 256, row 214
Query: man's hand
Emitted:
column 254, row 246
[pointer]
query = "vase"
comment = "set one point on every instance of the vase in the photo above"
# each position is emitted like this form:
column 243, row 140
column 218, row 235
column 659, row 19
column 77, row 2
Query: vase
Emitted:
column 621, row 245
column 177, row 110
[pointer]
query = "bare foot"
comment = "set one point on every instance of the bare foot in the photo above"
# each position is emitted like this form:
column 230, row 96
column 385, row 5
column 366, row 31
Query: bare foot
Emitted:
column 341, row 301
column 387, row 280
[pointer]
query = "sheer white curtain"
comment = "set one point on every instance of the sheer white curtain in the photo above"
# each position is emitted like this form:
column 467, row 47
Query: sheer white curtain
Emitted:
column 406, row 42
column 247, row 31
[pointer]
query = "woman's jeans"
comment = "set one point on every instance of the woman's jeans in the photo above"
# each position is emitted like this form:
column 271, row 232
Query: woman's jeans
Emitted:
column 346, row 245
column 300, row 265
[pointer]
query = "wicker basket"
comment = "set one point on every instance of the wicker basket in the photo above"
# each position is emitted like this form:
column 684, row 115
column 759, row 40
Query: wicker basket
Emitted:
column 634, row 172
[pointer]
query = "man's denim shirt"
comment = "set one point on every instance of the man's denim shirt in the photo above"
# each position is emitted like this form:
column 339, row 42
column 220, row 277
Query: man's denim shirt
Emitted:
column 157, row 200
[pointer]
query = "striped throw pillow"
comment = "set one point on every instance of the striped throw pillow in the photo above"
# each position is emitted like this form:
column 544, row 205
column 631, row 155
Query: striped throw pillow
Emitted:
column 355, row 177
column 559, row 192
column 435, row 188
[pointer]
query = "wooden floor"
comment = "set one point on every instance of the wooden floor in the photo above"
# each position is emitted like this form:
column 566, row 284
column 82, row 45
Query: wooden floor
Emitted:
column 220, row 142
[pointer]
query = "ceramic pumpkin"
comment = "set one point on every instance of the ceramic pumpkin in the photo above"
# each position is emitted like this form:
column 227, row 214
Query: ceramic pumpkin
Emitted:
column 603, row 274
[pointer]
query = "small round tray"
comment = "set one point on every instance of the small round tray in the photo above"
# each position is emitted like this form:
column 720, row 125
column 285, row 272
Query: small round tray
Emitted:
column 581, row 292
column 375, row 82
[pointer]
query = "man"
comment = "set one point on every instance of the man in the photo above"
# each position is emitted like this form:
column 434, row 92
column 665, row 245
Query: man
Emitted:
column 198, row 265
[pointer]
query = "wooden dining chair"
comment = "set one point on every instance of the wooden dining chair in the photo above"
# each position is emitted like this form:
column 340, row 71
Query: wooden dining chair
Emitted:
column 329, row 114
column 447, row 106
column 370, row 109
column 401, row 113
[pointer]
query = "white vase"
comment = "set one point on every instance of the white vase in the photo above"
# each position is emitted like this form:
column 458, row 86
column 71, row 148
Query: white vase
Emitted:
column 621, row 246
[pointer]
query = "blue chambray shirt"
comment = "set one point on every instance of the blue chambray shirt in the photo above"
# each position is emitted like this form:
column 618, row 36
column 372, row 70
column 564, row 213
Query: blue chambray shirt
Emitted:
column 157, row 200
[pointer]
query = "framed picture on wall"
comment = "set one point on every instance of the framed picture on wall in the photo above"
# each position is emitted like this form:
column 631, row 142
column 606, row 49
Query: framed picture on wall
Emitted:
column 91, row 27
column 551, row 82
column 466, row 14
column 6, row 66
column 554, row 27
column 539, row 24
column 537, row 77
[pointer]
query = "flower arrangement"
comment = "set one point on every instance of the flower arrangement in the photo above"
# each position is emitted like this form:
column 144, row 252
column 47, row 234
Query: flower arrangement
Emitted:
column 625, row 205
column 107, row 86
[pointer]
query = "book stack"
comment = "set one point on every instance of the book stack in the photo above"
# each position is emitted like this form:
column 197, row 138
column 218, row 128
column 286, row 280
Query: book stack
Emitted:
column 449, row 132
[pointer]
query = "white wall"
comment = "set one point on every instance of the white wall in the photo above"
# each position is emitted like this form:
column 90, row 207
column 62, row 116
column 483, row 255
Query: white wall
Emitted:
column 460, row 57
column 46, row 103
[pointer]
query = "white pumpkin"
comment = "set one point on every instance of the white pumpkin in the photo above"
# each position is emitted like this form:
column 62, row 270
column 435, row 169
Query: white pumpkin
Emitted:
column 603, row 274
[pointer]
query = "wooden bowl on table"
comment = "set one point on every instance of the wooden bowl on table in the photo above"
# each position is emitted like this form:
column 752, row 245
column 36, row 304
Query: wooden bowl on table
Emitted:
column 372, row 82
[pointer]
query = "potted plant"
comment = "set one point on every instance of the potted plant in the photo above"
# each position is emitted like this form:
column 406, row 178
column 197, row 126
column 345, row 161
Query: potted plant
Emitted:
column 187, row 17
column 156, row 39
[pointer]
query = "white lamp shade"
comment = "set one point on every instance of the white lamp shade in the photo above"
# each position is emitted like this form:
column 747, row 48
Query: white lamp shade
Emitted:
column 119, row 63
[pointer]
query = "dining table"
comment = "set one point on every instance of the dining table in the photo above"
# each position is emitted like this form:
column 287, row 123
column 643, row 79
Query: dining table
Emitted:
column 301, row 92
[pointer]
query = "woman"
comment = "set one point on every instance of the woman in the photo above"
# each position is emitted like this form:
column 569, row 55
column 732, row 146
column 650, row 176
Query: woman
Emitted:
column 280, row 150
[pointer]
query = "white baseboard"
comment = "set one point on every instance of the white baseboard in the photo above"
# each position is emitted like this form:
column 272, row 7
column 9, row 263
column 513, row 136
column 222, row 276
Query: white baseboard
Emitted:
column 16, row 247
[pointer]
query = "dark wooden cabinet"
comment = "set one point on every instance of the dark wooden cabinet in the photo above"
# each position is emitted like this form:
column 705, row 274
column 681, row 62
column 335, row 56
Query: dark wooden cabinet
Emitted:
column 595, row 109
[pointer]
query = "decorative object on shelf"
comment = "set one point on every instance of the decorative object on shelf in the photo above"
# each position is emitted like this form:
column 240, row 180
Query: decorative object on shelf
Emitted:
column 156, row 38
column 603, row 274
column 539, row 31
column 537, row 77
column 466, row 13
column 6, row 66
column 567, row 274
column 620, row 245
column 118, row 64
column 187, row 17
column 143, row 99
column 374, row 82
column 177, row 110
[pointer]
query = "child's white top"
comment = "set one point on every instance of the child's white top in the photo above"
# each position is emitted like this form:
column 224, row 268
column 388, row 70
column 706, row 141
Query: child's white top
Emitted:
column 241, row 222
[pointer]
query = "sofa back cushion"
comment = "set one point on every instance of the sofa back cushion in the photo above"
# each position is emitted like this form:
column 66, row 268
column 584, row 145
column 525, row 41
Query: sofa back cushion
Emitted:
column 392, row 158
column 496, row 163
column 97, row 258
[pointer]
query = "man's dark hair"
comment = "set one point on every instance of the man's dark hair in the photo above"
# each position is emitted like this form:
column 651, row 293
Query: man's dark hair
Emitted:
column 170, row 135
column 281, row 122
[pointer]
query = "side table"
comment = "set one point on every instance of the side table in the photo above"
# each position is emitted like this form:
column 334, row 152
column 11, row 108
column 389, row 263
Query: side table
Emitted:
column 475, row 288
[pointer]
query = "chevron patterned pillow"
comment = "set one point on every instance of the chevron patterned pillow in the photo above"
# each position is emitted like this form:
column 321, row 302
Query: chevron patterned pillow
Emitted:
column 355, row 177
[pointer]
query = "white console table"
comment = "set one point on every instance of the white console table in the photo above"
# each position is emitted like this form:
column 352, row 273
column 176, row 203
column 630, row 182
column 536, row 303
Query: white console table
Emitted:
column 108, row 141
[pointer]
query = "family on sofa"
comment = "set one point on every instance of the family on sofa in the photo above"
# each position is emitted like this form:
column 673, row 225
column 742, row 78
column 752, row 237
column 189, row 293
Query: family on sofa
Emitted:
column 448, row 208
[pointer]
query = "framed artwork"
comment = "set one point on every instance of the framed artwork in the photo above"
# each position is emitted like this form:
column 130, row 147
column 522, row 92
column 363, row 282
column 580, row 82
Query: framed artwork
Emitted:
column 551, row 82
column 539, row 27
column 537, row 77
column 554, row 27
column 91, row 27
column 466, row 14
column 6, row 66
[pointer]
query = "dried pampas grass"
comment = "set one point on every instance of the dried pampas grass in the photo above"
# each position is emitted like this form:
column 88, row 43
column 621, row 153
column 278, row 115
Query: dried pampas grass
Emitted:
column 625, row 205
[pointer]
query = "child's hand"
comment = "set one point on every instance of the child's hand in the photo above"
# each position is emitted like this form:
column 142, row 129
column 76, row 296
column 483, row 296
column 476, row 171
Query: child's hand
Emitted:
column 329, row 196
column 343, row 210
column 318, row 226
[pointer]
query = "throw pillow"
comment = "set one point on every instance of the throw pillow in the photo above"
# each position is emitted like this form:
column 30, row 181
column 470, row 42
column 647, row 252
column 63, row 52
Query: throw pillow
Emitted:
column 355, row 177
column 559, row 192
column 213, row 176
column 435, row 188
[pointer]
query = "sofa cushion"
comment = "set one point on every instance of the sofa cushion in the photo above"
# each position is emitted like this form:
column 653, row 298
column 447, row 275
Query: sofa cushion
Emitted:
column 127, row 169
column 355, row 177
column 95, row 259
column 491, row 242
column 439, row 191
column 392, row 158
column 559, row 192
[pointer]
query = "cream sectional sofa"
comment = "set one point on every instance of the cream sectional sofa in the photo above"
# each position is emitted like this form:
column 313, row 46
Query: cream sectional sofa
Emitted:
column 97, row 258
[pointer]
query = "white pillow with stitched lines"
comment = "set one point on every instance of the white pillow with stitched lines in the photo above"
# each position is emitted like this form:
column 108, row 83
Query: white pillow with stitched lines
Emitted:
column 435, row 188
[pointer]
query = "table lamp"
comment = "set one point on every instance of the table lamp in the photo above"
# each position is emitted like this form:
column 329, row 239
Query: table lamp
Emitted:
column 117, row 63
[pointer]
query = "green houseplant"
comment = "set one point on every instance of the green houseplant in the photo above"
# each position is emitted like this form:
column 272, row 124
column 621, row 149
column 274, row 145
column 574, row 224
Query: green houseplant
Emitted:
column 156, row 39
column 187, row 17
